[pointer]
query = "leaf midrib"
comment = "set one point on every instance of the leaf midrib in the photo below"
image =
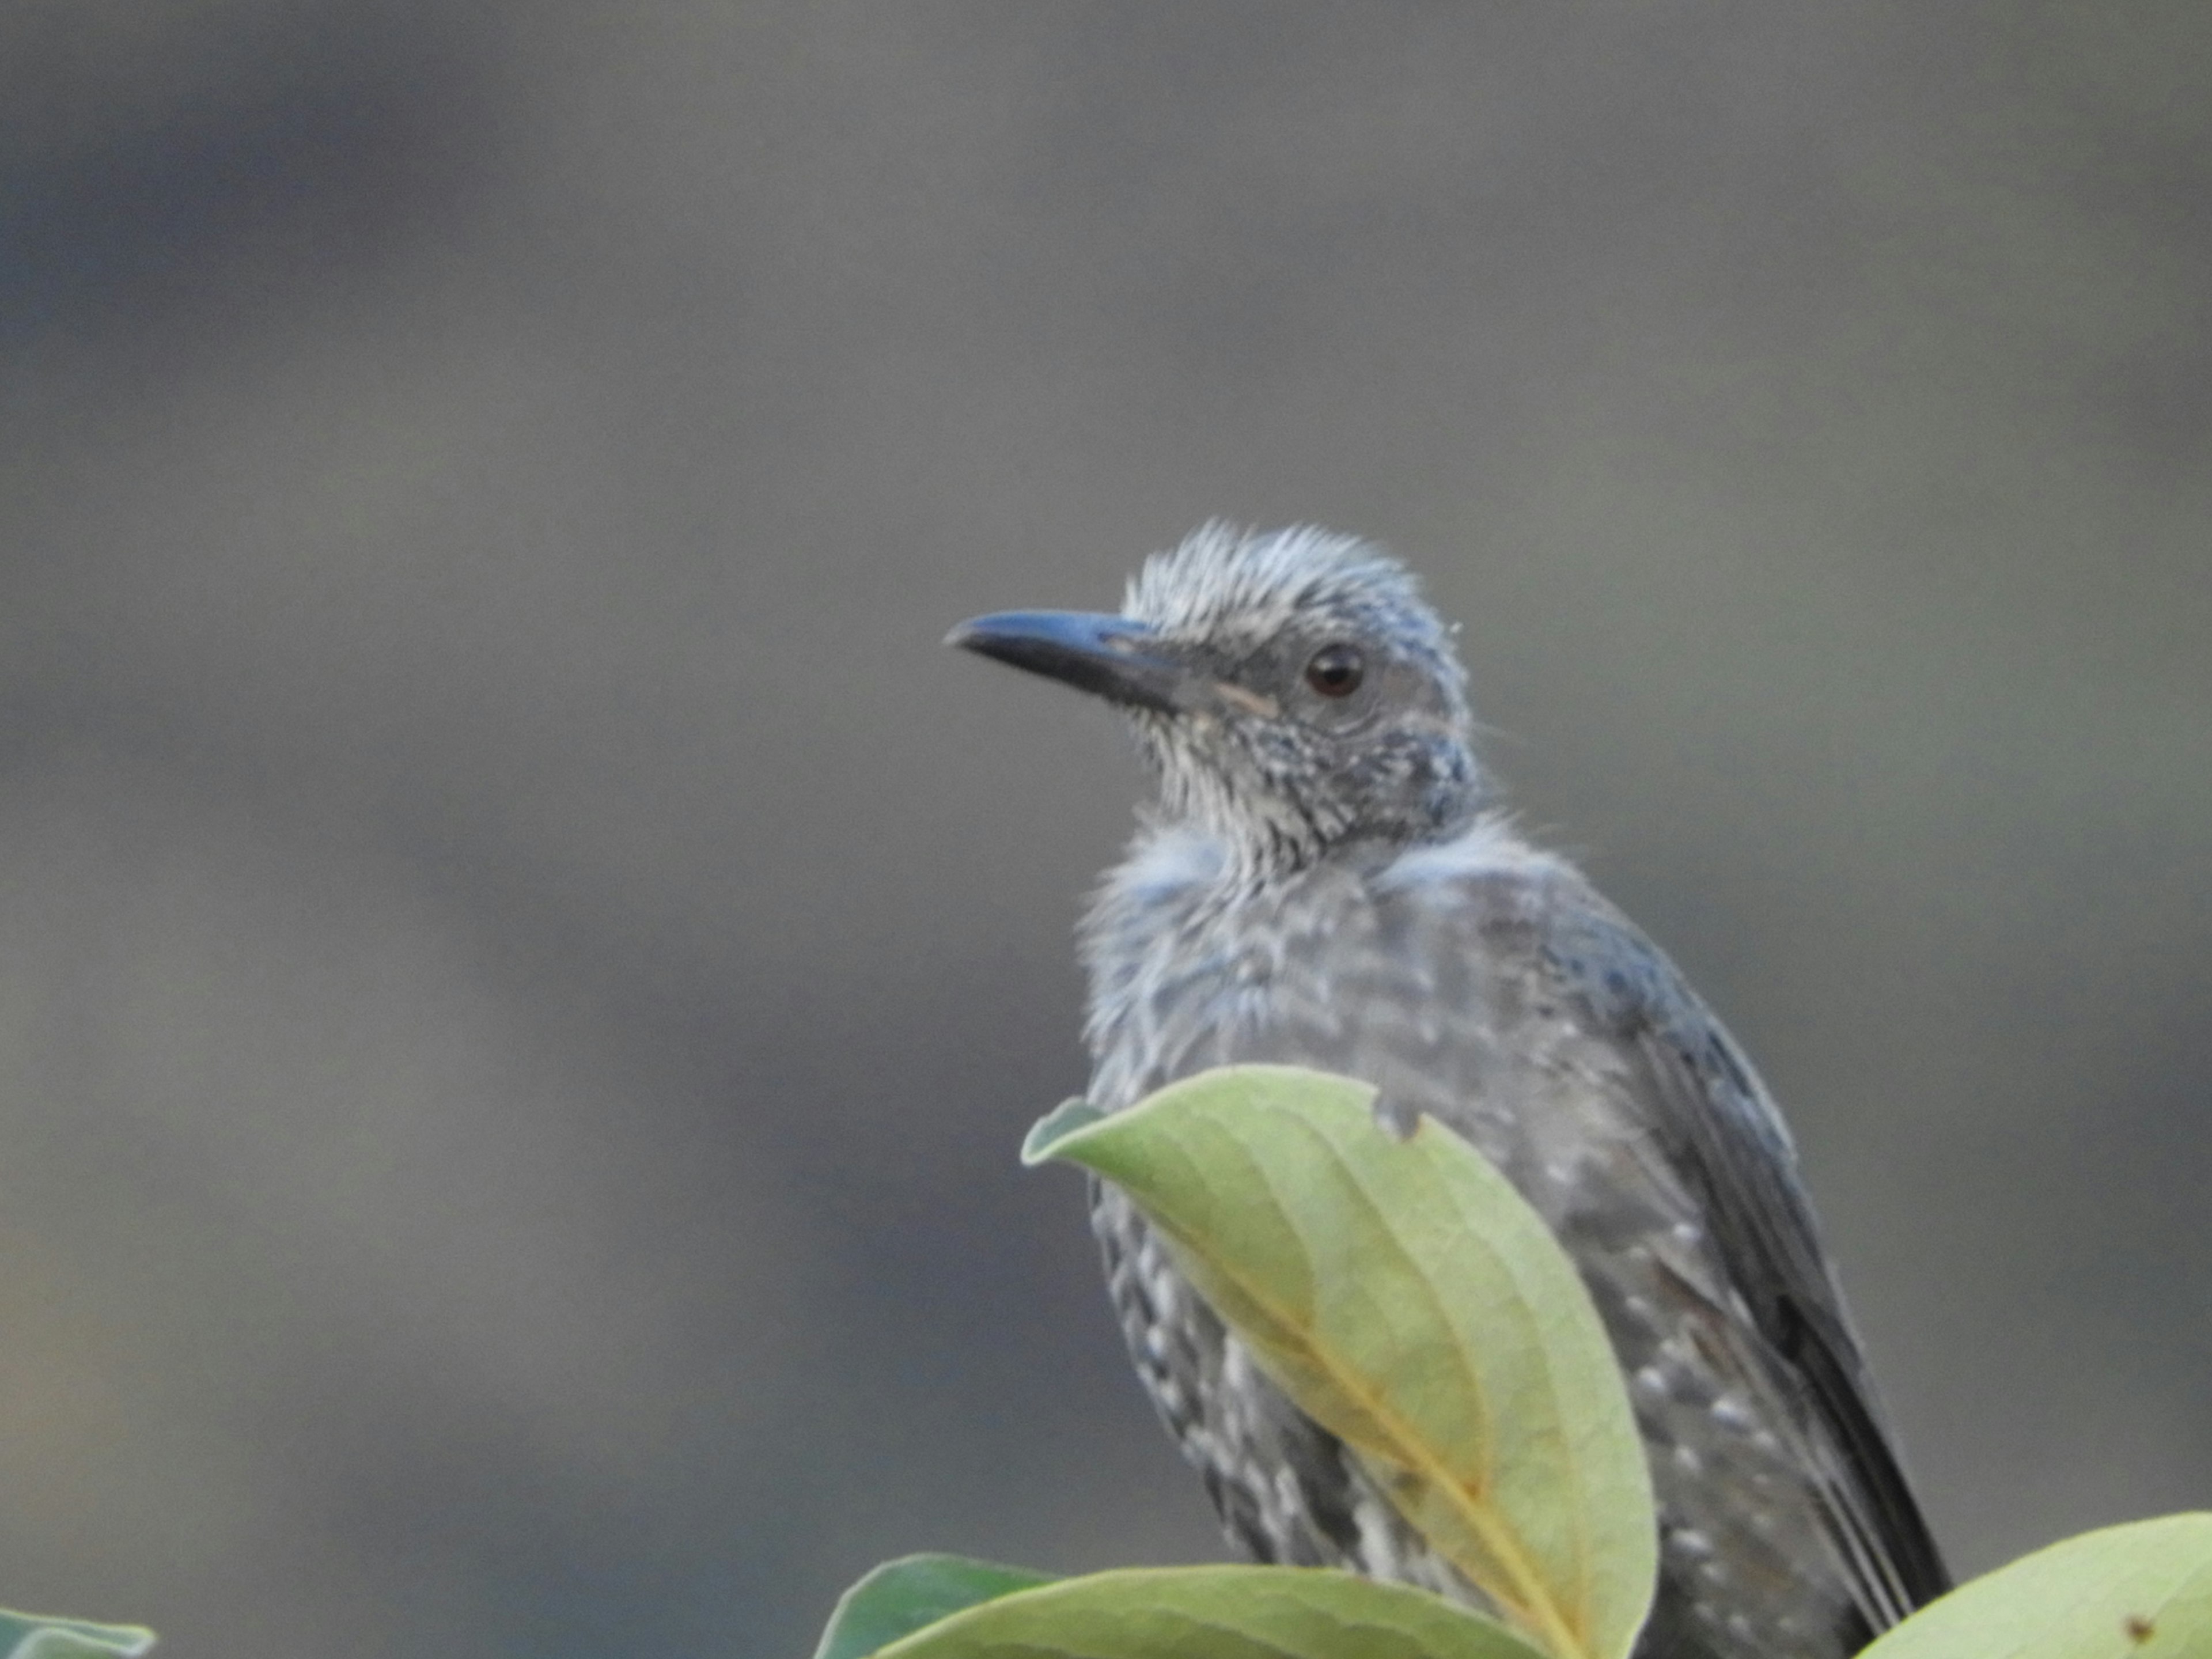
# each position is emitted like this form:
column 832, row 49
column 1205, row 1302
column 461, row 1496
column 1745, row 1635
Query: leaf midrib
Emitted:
column 1535, row 1605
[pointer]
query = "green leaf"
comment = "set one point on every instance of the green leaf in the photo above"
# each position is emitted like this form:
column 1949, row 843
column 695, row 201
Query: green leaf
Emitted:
column 1216, row 1611
column 1408, row 1299
column 26, row 1636
column 2140, row 1591
column 901, row 1596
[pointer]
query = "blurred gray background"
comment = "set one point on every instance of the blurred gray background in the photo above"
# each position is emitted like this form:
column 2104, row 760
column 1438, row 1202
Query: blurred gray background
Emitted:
column 524, row 966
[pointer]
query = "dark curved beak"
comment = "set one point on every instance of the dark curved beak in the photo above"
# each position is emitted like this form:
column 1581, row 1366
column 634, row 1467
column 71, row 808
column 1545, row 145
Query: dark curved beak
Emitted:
column 1110, row 657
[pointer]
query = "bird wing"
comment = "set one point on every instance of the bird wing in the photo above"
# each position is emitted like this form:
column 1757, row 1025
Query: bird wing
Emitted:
column 1709, row 1118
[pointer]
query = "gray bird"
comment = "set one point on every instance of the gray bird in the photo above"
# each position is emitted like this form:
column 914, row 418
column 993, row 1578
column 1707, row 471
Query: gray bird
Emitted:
column 1325, row 882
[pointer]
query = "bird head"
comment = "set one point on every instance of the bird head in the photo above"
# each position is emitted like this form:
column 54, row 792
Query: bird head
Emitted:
column 1294, row 692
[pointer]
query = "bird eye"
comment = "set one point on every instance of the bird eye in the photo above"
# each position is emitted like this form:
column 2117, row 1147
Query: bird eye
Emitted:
column 1336, row 670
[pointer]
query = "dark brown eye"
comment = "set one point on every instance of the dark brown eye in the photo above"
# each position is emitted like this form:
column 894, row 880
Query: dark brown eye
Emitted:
column 1336, row 670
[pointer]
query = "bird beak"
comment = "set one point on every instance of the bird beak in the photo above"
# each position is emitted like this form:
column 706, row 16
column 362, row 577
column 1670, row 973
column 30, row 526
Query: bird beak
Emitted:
column 1110, row 657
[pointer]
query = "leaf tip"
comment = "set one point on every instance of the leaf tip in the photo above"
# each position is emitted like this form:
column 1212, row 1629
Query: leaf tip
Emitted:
column 1041, row 1144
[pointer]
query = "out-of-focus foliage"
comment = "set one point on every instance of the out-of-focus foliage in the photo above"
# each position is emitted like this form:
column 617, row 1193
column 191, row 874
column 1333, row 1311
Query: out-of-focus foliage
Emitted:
column 26, row 1636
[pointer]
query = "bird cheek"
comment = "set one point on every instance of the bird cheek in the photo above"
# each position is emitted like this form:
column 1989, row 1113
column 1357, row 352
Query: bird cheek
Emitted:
column 1251, row 703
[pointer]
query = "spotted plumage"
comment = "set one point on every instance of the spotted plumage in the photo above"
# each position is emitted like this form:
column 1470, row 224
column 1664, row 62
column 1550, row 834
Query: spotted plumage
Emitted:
column 1324, row 882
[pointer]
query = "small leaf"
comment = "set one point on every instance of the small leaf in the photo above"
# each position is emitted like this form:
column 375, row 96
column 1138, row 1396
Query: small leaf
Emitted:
column 901, row 1596
column 1406, row 1297
column 2139, row 1591
column 26, row 1636
column 1219, row 1612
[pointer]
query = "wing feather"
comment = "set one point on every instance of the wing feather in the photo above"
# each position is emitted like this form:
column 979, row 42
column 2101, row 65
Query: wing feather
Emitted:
column 1716, row 1125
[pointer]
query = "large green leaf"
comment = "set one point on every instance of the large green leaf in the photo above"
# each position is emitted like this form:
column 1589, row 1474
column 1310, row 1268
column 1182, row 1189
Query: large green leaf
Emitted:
column 2140, row 1591
column 1216, row 1613
column 901, row 1596
column 26, row 1636
column 1404, row 1295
